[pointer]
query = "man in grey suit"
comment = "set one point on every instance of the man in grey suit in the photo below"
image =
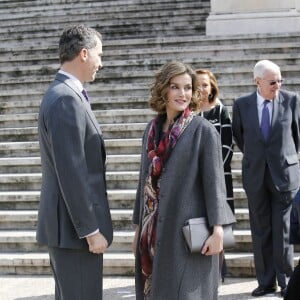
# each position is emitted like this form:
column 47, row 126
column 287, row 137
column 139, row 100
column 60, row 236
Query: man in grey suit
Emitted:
column 266, row 129
column 74, row 219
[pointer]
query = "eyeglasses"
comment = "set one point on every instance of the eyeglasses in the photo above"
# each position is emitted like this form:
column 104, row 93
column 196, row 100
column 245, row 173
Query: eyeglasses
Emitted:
column 273, row 82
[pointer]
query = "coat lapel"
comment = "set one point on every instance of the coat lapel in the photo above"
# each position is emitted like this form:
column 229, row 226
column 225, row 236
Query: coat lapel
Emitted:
column 253, row 114
column 276, row 113
column 276, row 108
column 87, row 106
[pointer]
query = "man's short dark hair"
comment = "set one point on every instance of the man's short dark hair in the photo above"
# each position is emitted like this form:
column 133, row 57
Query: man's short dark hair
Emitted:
column 74, row 39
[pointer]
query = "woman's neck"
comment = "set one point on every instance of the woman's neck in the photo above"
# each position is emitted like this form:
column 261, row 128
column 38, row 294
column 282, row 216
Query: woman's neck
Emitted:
column 169, row 121
column 206, row 105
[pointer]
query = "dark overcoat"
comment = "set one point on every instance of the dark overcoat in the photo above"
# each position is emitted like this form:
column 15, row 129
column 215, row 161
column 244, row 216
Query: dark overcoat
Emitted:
column 192, row 185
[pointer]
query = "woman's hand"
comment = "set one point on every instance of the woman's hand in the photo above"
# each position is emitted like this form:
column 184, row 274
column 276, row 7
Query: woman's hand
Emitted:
column 214, row 244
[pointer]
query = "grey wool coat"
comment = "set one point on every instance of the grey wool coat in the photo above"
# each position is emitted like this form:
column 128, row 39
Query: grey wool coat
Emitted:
column 192, row 185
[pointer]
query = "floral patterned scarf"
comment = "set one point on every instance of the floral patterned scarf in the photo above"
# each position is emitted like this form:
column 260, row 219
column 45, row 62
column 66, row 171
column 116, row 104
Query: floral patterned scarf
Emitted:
column 158, row 153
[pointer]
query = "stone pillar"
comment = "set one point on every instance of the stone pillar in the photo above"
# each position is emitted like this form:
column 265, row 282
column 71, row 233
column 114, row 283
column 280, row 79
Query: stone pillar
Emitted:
column 229, row 17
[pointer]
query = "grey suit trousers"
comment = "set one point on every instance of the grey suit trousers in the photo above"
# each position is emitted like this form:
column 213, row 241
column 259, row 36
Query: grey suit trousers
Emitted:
column 76, row 268
column 270, row 221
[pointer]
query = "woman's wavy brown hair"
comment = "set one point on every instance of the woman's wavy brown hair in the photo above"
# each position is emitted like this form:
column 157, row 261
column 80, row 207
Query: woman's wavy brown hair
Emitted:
column 213, row 82
column 160, row 87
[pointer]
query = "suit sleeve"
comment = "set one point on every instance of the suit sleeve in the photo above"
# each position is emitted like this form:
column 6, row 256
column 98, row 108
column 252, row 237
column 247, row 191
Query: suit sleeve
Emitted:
column 66, row 125
column 226, row 137
column 139, row 193
column 237, row 127
column 211, row 166
column 296, row 122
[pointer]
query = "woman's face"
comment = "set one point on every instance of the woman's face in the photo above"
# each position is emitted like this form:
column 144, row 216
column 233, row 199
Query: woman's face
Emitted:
column 179, row 94
column 204, row 86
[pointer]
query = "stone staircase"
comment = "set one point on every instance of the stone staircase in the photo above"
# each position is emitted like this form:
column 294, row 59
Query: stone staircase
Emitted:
column 139, row 36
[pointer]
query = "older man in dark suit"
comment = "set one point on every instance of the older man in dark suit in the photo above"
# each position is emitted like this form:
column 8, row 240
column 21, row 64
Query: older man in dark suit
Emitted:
column 266, row 129
column 74, row 217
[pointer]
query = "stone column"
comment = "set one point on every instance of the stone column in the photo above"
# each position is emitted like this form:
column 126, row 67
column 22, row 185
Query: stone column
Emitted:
column 229, row 17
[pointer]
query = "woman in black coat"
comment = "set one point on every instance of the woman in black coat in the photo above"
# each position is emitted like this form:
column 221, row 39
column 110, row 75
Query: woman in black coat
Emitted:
column 212, row 109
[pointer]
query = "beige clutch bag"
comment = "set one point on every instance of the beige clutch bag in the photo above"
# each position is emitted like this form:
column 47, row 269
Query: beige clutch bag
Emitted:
column 196, row 232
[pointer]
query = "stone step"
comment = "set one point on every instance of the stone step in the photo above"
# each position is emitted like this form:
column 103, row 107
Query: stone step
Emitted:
column 124, row 58
column 194, row 40
column 20, row 6
column 150, row 26
column 20, row 165
column 142, row 65
column 29, row 200
column 118, row 199
column 25, row 148
column 122, row 219
column 19, row 200
column 49, row 39
column 44, row 13
column 113, row 19
column 9, row 104
column 238, row 264
column 19, row 149
column 27, row 219
column 139, row 89
column 22, row 263
column 115, row 180
column 103, row 116
column 114, row 162
column 134, row 14
column 118, row 162
column 42, row 59
column 136, row 98
column 32, row 181
column 25, row 241
column 131, row 89
column 110, row 131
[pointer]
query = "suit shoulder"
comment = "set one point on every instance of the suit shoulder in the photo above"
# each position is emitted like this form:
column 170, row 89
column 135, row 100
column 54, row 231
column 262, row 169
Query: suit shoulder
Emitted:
column 201, row 124
column 289, row 94
column 244, row 98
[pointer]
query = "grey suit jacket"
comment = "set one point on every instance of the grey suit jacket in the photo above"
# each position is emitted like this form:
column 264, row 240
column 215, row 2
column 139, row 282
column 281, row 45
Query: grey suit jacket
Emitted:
column 73, row 201
column 280, row 152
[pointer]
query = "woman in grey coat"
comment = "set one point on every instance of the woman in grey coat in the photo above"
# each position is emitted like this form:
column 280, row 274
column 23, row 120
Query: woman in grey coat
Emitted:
column 181, row 177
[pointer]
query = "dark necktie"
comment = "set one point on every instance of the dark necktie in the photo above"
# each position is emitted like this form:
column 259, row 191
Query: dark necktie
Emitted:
column 265, row 121
column 85, row 94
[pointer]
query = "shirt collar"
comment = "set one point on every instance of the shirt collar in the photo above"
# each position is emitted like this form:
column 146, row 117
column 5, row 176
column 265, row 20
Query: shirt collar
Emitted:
column 260, row 99
column 73, row 78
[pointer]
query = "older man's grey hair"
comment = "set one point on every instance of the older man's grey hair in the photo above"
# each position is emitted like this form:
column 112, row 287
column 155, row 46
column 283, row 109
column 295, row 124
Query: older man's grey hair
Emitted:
column 262, row 66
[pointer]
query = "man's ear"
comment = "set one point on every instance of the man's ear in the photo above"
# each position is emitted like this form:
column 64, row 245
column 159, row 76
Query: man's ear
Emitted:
column 83, row 54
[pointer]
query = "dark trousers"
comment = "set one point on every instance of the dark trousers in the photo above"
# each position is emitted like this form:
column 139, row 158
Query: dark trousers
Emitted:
column 77, row 274
column 270, row 224
column 293, row 288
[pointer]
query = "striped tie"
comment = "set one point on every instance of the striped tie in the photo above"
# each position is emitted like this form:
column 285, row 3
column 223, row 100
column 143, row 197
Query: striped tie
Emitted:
column 85, row 94
column 265, row 121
